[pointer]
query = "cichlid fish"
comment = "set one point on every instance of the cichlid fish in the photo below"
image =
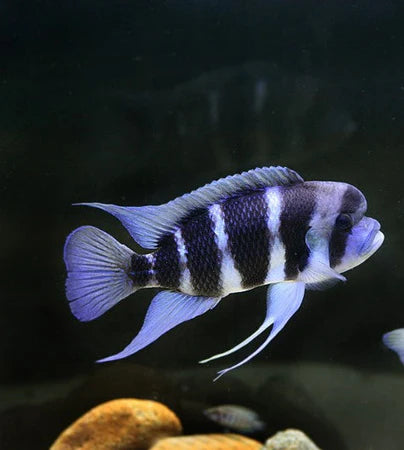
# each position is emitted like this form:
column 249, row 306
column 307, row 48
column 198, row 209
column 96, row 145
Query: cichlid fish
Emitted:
column 264, row 226
column 394, row 340
column 235, row 417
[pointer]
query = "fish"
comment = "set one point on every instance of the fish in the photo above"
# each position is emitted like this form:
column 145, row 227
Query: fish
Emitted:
column 235, row 417
column 265, row 226
column 394, row 340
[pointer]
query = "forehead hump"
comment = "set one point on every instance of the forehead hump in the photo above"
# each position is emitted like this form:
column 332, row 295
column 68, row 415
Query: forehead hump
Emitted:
column 353, row 201
column 336, row 197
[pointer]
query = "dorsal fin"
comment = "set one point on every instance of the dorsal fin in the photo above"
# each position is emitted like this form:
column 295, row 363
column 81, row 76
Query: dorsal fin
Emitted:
column 148, row 224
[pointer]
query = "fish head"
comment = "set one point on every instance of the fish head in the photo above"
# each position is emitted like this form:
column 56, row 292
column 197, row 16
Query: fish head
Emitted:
column 339, row 230
column 361, row 241
column 213, row 413
column 335, row 201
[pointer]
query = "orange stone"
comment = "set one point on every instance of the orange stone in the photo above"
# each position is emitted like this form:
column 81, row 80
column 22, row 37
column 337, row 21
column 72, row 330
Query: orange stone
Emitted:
column 120, row 424
column 208, row 442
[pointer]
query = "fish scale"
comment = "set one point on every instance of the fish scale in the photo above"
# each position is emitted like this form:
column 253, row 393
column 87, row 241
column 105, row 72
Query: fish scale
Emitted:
column 246, row 226
column 203, row 257
column 166, row 264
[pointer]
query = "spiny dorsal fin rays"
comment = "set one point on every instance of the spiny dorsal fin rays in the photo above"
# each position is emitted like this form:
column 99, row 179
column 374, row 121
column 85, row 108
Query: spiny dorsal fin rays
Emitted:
column 148, row 224
column 283, row 300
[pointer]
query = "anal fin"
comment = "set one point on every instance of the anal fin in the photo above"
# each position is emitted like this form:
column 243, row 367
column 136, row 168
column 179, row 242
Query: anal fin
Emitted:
column 167, row 310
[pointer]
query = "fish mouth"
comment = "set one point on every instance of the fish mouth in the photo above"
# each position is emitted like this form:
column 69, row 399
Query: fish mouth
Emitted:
column 373, row 241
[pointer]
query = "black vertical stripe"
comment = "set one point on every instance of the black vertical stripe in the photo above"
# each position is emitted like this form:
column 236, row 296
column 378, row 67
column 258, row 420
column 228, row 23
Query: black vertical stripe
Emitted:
column 140, row 270
column 249, row 240
column 298, row 205
column 351, row 201
column 203, row 257
column 338, row 242
column 167, row 264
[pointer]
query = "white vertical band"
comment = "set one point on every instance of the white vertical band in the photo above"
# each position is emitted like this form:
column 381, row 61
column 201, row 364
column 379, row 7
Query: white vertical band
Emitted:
column 151, row 259
column 230, row 276
column 185, row 278
column 276, row 270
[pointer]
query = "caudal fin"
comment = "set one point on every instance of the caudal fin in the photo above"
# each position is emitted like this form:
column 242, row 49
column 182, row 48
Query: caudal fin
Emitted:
column 97, row 272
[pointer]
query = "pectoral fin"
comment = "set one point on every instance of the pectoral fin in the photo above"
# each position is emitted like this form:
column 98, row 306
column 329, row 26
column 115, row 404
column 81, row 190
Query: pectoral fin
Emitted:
column 283, row 300
column 319, row 274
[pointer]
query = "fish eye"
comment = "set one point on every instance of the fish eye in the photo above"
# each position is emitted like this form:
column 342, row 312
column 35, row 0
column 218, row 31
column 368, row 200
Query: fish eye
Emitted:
column 344, row 221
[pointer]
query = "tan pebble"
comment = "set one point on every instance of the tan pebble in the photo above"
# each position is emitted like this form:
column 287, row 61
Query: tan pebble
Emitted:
column 120, row 424
column 290, row 440
column 208, row 442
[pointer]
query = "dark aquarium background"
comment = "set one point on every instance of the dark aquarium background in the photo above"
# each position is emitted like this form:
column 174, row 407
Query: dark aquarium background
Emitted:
column 137, row 102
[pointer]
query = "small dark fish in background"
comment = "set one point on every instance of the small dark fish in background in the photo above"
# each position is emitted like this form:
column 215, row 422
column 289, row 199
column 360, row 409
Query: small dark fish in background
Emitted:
column 394, row 340
column 235, row 417
column 266, row 226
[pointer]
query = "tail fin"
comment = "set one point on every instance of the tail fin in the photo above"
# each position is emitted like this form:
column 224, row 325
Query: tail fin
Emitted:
column 97, row 272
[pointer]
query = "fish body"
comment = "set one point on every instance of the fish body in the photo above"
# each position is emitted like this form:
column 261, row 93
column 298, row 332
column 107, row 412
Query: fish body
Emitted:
column 263, row 227
column 235, row 417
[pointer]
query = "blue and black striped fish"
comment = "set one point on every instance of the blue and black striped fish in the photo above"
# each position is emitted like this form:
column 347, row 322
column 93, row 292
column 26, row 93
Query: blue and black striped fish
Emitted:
column 262, row 227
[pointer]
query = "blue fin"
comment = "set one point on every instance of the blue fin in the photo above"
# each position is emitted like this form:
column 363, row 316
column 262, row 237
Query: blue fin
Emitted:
column 97, row 267
column 167, row 310
column 394, row 340
column 318, row 274
column 321, row 285
column 283, row 300
column 147, row 224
